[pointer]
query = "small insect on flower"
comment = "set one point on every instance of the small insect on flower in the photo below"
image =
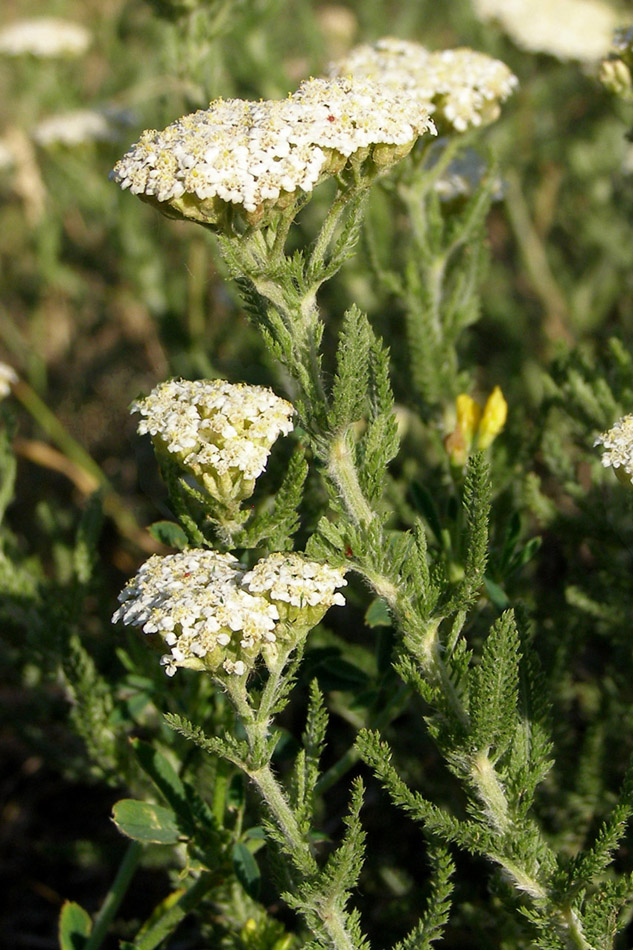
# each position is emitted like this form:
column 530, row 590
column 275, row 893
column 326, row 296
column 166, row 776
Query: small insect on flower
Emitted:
column 255, row 158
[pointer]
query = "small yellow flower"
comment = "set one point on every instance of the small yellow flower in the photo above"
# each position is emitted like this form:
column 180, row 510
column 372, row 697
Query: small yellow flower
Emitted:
column 468, row 416
column 460, row 440
column 475, row 426
column 493, row 419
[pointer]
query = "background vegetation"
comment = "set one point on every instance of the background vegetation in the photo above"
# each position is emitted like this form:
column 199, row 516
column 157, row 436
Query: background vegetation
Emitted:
column 102, row 299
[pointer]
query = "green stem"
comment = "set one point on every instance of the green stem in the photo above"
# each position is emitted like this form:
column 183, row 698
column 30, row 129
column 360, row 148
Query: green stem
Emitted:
column 334, row 923
column 536, row 263
column 114, row 896
column 281, row 235
column 256, row 725
column 272, row 794
column 431, row 660
column 343, row 473
column 271, row 689
column 490, row 791
column 323, row 903
column 324, row 238
column 574, row 930
column 167, row 923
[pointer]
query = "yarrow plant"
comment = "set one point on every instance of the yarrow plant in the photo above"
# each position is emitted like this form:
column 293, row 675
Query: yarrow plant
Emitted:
column 393, row 495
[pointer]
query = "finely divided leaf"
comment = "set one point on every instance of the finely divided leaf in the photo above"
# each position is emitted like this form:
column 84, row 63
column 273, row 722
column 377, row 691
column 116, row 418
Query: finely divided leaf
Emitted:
column 494, row 689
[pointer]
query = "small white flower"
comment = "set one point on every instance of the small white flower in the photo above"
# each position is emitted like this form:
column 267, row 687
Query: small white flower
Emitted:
column 299, row 588
column 237, row 668
column 212, row 616
column 566, row 29
column 196, row 603
column 618, row 447
column 44, row 37
column 8, row 377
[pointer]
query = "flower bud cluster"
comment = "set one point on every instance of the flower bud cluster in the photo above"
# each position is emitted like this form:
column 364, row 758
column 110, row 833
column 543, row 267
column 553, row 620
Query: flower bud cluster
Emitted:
column 215, row 616
column 219, row 432
column 258, row 156
column 618, row 448
column 461, row 88
column 616, row 71
column 44, row 37
column 566, row 29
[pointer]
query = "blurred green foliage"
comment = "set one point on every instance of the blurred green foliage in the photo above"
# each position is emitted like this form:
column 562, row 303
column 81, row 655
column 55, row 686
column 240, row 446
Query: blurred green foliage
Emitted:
column 101, row 299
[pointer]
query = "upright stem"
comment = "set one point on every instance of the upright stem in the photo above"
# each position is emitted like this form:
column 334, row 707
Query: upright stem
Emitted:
column 273, row 796
column 271, row 689
column 536, row 262
column 324, row 238
column 431, row 659
column 343, row 473
column 114, row 896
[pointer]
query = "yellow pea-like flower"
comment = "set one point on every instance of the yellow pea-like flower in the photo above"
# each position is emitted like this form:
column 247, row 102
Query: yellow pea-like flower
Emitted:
column 493, row 419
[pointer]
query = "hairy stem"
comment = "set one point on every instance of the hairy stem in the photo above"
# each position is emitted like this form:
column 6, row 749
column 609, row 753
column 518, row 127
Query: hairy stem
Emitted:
column 342, row 471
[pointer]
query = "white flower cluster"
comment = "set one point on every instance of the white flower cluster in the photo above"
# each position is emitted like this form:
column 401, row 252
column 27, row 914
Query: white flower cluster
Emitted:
column 256, row 154
column 221, row 432
column 295, row 585
column 460, row 87
column 8, row 377
column 618, row 445
column 73, row 128
column 566, row 29
column 44, row 37
column 214, row 616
